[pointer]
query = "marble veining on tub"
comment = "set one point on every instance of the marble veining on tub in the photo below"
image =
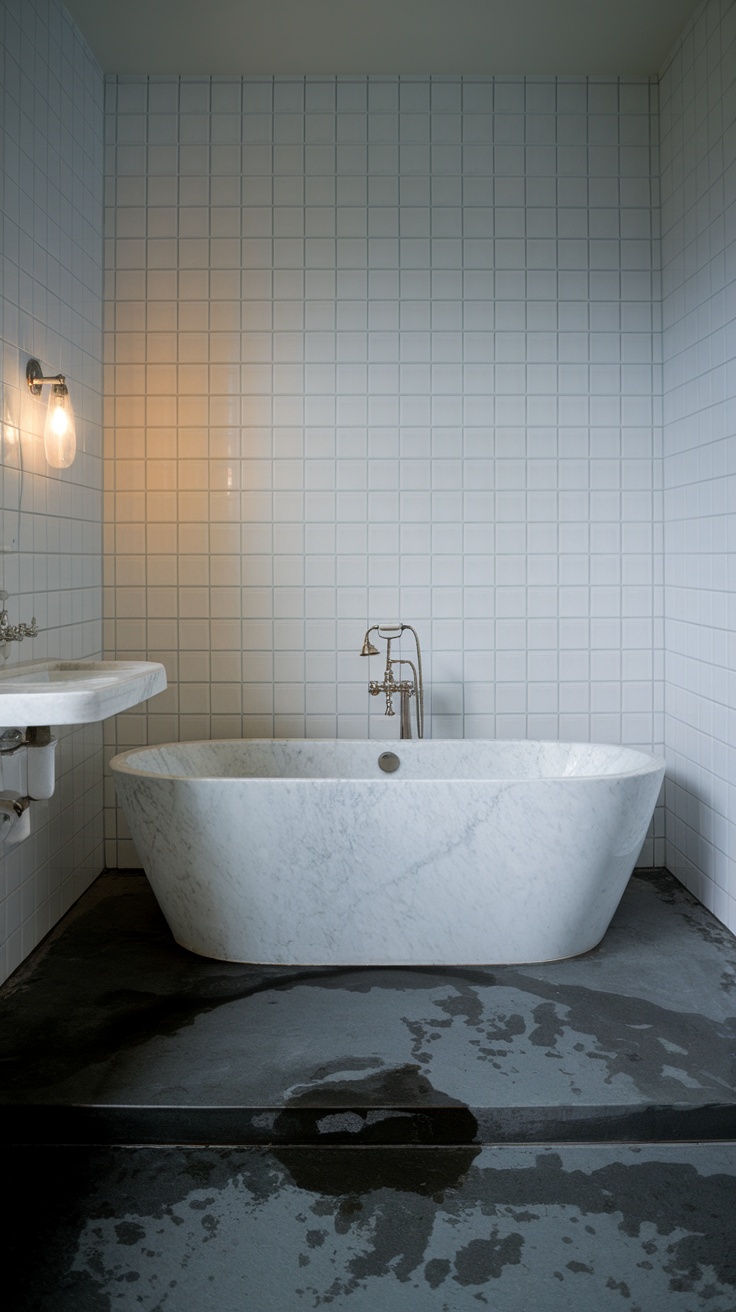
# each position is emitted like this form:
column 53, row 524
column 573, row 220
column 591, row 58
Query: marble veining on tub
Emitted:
column 299, row 852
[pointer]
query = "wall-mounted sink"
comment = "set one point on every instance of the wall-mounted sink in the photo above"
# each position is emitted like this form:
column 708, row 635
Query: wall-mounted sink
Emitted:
column 75, row 692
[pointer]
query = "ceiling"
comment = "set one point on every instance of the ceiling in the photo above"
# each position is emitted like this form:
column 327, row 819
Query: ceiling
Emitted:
column 310, row 37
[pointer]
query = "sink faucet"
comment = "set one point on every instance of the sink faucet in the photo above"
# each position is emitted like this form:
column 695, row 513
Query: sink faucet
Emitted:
column 404, row 688
column 14, row 632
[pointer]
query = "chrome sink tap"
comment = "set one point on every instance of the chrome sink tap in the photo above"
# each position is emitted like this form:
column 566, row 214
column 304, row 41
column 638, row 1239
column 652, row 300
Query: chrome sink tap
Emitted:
column 390, row 686
column 14, row 632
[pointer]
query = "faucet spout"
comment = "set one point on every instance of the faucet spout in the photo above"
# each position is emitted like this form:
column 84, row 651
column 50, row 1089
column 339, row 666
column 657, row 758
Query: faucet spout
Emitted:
column 368, row 649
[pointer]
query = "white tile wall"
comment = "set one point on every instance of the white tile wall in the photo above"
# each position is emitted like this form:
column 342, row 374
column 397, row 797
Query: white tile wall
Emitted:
column 51, row 121
column 377, row 348
column 698, row 137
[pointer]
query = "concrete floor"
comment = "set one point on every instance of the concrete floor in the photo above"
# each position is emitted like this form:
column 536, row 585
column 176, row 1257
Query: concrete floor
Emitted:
column 183, row 1134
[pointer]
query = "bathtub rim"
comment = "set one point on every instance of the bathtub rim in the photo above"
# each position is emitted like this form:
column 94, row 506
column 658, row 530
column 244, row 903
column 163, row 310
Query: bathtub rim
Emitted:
column 650, row 763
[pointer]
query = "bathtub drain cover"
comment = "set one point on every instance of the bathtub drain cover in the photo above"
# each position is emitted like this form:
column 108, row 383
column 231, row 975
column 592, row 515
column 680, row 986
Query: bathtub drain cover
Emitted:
column 389, row 762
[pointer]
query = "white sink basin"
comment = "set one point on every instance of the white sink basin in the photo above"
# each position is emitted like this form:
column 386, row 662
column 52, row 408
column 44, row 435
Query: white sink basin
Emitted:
column 75, row 692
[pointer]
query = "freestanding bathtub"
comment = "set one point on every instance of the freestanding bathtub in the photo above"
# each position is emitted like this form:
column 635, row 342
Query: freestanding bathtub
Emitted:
column 298, row 852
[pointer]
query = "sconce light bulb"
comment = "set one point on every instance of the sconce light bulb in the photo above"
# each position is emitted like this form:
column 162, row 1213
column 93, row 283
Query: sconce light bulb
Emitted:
column 60, row 438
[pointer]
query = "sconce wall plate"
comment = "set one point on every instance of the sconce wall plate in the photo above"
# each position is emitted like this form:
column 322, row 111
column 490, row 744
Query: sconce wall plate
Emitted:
column 34, row 377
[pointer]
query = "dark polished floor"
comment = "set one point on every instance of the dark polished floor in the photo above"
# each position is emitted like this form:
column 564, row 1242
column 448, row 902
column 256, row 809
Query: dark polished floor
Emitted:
column 212, row 1135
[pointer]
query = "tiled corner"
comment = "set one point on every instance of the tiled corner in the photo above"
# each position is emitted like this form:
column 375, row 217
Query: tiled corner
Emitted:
column 698, row 145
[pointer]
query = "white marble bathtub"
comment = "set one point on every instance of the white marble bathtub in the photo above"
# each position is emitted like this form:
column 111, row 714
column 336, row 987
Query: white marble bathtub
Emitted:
column 304, row 852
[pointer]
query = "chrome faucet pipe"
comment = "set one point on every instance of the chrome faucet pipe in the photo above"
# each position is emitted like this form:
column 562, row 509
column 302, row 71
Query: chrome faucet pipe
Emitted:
column 405, row 724
column 418, row 680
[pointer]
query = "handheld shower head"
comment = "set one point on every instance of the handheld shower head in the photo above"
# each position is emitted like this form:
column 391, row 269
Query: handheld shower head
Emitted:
column 368, row 649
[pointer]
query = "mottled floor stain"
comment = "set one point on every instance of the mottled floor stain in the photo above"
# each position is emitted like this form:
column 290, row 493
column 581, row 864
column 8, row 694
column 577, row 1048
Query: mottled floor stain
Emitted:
column 346, row 1075
column 515, row 1229
column 375, row 1114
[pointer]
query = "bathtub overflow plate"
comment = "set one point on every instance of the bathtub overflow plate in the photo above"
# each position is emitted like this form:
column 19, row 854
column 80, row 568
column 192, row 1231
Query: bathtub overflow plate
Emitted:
column 389, row 762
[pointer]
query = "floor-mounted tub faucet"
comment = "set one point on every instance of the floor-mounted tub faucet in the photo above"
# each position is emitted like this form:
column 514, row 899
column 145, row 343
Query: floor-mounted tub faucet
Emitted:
column 404, row 688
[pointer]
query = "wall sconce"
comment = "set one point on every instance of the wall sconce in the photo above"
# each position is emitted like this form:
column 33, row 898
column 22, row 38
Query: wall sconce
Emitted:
column 59, row 434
